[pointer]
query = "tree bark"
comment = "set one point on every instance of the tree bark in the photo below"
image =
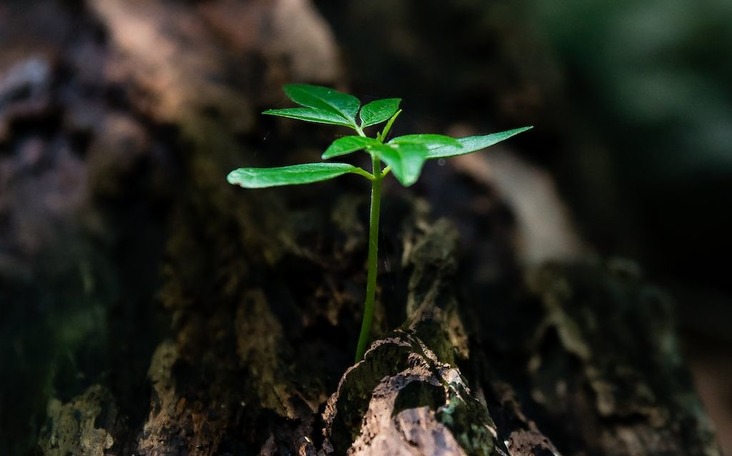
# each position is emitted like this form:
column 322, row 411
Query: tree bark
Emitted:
column 260, row 295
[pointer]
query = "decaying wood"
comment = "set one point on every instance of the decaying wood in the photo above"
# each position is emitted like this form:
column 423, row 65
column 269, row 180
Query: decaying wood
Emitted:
column 262, row 289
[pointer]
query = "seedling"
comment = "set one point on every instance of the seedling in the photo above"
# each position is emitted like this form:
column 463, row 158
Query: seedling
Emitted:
column 404, row 156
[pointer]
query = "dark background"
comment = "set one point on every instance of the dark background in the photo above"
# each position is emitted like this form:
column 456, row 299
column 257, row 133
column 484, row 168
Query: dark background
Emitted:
column 632, row 106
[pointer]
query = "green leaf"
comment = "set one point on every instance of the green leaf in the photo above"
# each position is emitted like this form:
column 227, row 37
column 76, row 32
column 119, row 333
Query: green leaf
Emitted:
column 405, row 160
column 473, row 143
column 348, row 144
column 310, row 115
column 378, row 111
column 290, row 175
column 428, row 140
column 325, row 99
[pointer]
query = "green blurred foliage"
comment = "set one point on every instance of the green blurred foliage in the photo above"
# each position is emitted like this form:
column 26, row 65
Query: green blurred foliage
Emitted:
column 655, row 78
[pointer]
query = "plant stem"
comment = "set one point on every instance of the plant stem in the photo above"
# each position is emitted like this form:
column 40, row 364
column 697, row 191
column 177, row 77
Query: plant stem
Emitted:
column 372, row 261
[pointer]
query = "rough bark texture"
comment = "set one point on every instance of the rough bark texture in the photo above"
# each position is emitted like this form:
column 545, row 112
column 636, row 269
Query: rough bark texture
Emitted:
column 125, row 116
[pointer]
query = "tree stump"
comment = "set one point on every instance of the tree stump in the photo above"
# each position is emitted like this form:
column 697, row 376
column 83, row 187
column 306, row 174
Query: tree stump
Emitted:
column 146, row 105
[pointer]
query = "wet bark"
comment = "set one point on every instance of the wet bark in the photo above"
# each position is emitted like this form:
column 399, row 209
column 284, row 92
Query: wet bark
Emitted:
column 143, row 107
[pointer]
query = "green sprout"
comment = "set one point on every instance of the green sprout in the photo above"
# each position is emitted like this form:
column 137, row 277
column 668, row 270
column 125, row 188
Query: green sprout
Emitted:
column 404, row 156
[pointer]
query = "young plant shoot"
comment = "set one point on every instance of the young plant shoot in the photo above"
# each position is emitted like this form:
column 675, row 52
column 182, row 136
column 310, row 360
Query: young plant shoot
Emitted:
column 402, row 156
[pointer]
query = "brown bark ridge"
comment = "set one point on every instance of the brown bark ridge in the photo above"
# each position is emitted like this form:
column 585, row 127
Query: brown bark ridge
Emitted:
column 262, row 289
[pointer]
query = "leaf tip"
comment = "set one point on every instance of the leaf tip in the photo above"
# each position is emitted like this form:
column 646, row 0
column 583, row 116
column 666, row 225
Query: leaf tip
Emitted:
column 232, row 177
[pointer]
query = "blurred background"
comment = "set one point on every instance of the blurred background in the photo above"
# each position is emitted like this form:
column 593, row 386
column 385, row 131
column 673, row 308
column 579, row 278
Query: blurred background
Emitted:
column 631, row 102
